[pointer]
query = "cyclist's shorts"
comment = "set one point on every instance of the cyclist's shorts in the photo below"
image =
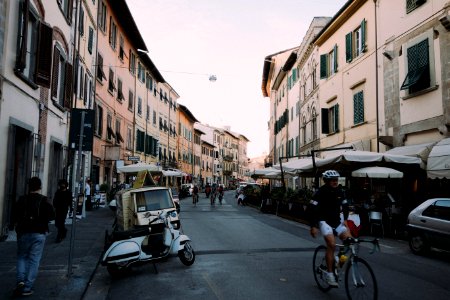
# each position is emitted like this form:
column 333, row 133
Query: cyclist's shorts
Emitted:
column 326, row 229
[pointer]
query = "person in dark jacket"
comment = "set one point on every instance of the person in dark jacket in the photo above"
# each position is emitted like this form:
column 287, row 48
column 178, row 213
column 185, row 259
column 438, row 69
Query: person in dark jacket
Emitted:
column 61, row 203
column 325, row 209
column 31, row 215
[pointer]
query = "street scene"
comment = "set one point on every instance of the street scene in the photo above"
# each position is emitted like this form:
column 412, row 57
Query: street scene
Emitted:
column 225, row 149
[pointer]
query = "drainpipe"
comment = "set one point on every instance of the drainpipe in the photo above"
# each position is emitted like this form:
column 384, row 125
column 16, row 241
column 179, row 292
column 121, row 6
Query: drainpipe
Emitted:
column 376, row 76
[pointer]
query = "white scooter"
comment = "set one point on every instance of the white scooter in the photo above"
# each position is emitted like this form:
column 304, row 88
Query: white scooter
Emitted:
column 146, row 244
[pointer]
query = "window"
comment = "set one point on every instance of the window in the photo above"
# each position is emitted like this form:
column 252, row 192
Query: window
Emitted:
column 139, row 106
column 148, row 113
column 419, row 63
column 111, row 85
column 81, row 25
column 102, row 17
column 112, row 33
column 149, row 82
column 33, row 59
column 121, row 47
column 132, row 63
column 88, row 91
column 61, row 89
column 355, row 42
column 314, row 125
column 413, row 4
column 100, row 74
column 314, row 76
column 130, row 100
column 98, row 120
column 141, row 72
column 119, row 138
column 304, row 131
column 66, row 8
column 328, row 63
column 439, row 209
column 90, row 39
column 80, row 81
column 109, row 130
column 154, row 117
column 358, row 108
column 129, row 138
column 120, row 96
column 330, row 119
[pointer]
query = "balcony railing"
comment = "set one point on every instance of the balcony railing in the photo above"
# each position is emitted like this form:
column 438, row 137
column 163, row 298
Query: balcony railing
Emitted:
column 228, row 157
column 169, row 164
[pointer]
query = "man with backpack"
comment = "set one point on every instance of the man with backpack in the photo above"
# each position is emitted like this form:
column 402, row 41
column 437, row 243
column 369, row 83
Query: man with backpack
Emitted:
column 32, row 213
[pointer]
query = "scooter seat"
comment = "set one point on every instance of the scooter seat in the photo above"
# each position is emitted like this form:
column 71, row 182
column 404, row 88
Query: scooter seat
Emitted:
column 128, row 234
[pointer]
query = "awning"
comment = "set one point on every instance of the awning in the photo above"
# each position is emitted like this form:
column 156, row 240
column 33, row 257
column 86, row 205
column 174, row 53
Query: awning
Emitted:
column 377, row 172
column 172, row 173
column 438, row 165
column 295, row 165
column 421, row 150
column 134, row 168
column 357, row 145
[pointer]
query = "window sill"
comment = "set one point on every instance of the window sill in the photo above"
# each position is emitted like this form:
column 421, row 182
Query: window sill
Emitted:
column 28, row 81
column 58, row 106
column 422, row 92
column 359, row 124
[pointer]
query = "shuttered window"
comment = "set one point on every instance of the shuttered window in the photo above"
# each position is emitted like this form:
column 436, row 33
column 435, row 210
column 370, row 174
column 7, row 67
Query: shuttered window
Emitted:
column 413, row 4
column 358, row 108
column 62, row 80
column 330, row 119
column 418, row 76
column 355, row 42
column 90, row 39
column 329, row 63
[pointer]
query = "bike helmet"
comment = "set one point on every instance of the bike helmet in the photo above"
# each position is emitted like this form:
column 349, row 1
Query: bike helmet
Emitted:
column 330, row 174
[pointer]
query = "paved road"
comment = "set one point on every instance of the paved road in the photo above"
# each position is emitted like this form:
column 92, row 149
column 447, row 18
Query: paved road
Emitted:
column 243, row 254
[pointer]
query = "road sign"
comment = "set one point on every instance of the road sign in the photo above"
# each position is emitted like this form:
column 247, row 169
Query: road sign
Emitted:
column 134, row 158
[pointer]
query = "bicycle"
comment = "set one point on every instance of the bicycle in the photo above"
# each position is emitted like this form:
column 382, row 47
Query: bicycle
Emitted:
column 360, row 281
column 195, row 199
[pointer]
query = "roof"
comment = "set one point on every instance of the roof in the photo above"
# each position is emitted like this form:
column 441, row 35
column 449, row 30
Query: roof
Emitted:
column 187, row 112
column 125, row 18
column 152, row 68
column 266, row 70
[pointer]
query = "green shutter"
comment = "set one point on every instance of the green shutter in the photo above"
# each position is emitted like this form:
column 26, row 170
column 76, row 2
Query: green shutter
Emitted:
column 363, row 36
column 335, row 58
column 336, row 118
column 358, row 108
column 91, row 39
column 348, row 47
column 325, row 123
column 323, row 66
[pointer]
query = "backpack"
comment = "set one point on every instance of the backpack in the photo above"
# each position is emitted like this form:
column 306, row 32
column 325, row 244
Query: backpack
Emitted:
column 33, row 214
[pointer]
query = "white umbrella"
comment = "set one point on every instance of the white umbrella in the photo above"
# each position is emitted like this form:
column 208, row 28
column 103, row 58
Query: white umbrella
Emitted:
column 134, row 168
column 439, row 160
column 172, row 173
column 377, row 172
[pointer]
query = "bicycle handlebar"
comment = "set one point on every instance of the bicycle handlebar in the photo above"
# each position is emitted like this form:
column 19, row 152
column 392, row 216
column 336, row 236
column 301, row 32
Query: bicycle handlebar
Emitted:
column 352, row 241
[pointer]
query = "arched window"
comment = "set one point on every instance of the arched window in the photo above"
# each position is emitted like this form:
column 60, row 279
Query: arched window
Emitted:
column 314, row 124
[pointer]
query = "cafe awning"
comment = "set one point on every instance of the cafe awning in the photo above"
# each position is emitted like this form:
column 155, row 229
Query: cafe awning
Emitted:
column 377, row 172
column 420, row 150
column 438, row 165
column 134, row 168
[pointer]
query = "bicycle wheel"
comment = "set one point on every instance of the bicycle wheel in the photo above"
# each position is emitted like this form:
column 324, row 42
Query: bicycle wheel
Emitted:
column 360, row 281
column 320, row 268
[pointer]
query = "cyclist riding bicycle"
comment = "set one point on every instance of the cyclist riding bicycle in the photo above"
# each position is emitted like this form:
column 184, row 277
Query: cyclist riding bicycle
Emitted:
column 195, row 195
column 325, row 208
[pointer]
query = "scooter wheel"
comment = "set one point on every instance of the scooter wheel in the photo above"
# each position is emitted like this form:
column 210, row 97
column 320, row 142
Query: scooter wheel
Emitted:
column 187, row 255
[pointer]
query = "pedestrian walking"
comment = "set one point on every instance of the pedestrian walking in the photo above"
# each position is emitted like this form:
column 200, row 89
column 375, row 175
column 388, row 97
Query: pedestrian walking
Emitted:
column 87, row 193
column 32, row 213
column 62, row 201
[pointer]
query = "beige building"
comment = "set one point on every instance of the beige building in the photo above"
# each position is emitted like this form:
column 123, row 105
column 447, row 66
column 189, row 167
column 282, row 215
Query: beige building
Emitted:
column 185, row 146
column 37, row 95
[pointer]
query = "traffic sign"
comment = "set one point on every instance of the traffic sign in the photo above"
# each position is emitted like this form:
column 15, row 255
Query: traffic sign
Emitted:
column 134, row 158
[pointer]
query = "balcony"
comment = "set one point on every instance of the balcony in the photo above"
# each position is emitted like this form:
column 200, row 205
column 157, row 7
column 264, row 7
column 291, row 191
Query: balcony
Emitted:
column 227, row 172
column 169, row 164
column 228, row 158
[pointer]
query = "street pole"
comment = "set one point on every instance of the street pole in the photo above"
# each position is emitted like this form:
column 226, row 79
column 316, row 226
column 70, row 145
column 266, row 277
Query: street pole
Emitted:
column 77, row 193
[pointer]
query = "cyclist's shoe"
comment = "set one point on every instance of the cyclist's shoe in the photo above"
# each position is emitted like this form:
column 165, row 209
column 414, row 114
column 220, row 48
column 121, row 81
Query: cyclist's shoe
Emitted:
column 331, row 280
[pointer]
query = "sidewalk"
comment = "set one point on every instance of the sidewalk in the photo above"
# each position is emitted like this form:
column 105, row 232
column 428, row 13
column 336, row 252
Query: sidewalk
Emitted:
column 52, row 281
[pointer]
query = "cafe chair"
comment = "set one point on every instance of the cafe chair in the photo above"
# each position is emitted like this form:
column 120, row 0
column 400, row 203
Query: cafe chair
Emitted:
column 376, row 220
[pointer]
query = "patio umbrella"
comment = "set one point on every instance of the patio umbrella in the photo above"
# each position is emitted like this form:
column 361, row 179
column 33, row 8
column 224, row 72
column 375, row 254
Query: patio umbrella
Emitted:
column 377, row 172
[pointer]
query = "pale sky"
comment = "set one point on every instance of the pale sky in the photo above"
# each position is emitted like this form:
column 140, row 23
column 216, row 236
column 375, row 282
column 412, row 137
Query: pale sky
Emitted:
column 188, row 40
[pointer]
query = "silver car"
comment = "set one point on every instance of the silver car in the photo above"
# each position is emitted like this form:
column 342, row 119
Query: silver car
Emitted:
column 429, row 226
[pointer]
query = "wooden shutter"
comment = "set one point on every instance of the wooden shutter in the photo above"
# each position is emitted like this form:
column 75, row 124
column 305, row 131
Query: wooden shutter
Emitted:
column 91, row 39
column 81, row 26
column 323, row 66
column 325, row 123
column 68, row 86
column 336, row 118
column 363, row 36
column 335, row 54
column 55, row 73
column 69, row 10
column 23, row 31
column 44, row 55
column 348, row 47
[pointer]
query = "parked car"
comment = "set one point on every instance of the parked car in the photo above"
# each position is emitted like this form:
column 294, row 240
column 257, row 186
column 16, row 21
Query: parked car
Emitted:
column 186, row 190
column 429, row 226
